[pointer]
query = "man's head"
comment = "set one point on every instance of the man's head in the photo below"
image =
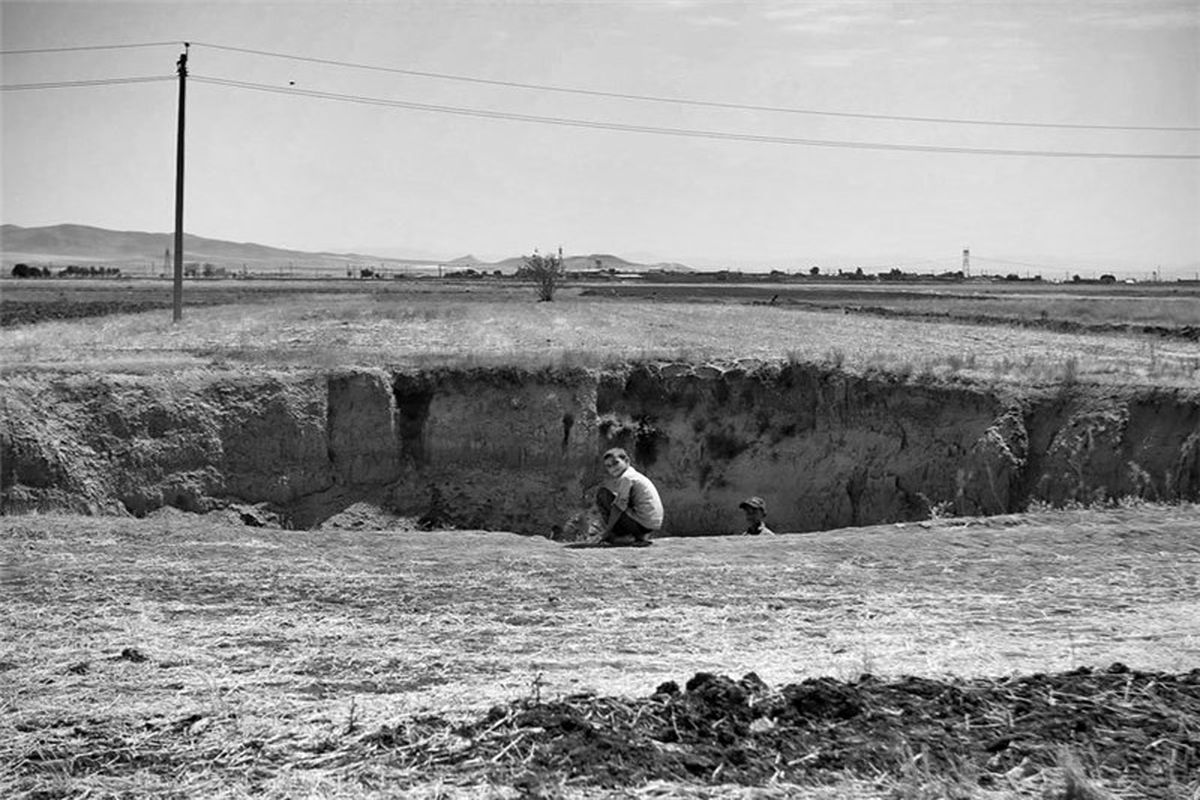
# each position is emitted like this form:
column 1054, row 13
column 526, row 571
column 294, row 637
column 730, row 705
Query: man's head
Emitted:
column 616, row 461
column 755, row 508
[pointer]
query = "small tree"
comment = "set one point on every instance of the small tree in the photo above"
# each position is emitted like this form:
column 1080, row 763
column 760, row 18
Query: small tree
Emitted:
column 545, row 271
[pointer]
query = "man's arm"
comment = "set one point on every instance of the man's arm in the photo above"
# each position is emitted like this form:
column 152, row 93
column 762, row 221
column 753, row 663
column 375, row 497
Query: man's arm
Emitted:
column 613, row 516
column 619, row 504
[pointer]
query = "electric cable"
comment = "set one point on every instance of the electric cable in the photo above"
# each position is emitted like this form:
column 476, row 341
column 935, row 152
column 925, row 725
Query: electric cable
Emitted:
column 88, row 47
column 12, row 87
column 1010, row 262
column 685, row 132
column 618, row 95
column 693, row 102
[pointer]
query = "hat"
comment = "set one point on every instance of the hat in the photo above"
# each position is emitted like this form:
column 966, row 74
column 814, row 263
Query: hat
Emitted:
column 754, row 502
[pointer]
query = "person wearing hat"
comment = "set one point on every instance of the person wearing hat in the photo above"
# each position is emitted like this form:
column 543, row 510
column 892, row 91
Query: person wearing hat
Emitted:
column 756, row 512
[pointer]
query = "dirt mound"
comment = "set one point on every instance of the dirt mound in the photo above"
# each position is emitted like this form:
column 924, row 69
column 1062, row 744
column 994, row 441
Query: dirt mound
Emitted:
column 1135, row 730
column 365, row 516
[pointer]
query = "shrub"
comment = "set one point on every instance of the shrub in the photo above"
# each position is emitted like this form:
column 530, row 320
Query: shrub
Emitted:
column 545, row 271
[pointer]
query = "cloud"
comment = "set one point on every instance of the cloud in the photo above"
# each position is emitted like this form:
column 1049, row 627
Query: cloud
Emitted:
column 814, row 8
column 711, row 21
column 1180, row 18
column 839, row 59
column 836, row 23
column 825, row 17
column 698, row 13
column 932, row 42
column 1005, row 25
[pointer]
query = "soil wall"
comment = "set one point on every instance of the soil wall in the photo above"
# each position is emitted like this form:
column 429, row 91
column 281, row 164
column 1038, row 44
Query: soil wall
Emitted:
column 517, row 450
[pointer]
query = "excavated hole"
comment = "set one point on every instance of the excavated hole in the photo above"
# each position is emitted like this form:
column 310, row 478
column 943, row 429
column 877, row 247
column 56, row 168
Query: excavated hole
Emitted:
column 507, row 449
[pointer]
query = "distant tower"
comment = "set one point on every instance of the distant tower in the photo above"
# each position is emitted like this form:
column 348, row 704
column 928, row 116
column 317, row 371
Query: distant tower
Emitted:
column 167, row 261
column 966, row 262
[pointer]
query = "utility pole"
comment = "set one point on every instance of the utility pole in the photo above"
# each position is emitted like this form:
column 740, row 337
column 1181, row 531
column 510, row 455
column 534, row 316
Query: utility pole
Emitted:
column 178, row 296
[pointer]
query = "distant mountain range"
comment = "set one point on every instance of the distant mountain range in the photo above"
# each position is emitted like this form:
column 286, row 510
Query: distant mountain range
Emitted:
column 86, row 245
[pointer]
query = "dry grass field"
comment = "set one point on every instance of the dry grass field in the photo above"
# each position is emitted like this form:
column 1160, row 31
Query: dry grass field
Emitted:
column 192, row 656
column 187, row 656
column 1103, row 306
column 418, row 324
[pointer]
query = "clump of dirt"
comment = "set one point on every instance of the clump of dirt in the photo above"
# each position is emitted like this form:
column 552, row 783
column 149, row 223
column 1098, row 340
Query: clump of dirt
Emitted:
column 583, row 526
column 1138, row 730
column 365, row 516
column 1136, row 733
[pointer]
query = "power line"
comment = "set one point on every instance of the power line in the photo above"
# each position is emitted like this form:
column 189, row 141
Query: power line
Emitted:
column 1011, row 262
column 87, row 47
column 12, row 87
column 620, row 95
column 693, row 102
column 693, row 133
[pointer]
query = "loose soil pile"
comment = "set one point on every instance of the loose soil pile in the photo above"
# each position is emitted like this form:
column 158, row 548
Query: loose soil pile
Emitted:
column 1135, row 732
column 1139, row 730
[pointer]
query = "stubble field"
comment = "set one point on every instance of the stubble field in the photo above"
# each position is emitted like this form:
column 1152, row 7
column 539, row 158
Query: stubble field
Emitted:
column 187, row 656
column 191, row 656
column 1038, row 335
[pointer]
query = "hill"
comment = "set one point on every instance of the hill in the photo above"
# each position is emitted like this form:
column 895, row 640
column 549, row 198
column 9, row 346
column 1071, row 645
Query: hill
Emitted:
column 68, row 243
column 595, row 262
column 465, row 261
column 87, row 243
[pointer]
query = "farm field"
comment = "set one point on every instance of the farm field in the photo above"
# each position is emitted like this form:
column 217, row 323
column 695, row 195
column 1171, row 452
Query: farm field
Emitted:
column 1161, row 305
column 473, row 324
column 1051, row 654
column 192, row 656
column 1165, row 308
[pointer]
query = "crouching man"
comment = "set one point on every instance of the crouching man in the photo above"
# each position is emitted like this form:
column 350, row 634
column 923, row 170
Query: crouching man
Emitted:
column 756, row 514
column 628, row 503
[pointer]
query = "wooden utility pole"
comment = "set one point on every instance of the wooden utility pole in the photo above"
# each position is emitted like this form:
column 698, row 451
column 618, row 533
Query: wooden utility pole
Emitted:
column 178, row 297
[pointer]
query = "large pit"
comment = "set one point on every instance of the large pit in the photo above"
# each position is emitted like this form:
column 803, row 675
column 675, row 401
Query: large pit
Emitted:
column 517, row 450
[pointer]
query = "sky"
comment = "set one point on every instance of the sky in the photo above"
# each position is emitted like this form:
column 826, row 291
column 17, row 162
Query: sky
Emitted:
column 755, row 135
